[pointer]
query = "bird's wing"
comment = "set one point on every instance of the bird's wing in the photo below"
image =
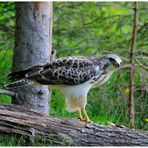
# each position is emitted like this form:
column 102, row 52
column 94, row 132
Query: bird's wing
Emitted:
column 69, row 71
column 13, row 76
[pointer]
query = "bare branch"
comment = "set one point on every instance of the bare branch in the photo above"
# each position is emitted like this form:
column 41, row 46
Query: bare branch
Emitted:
column 142, row 65
column 7, row 92
column 125, row 66
column 53, row 55
column 6, row 29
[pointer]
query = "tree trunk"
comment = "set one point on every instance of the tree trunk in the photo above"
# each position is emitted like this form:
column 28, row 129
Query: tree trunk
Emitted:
column 132, row 50
column 32, row 46
column 16, row 119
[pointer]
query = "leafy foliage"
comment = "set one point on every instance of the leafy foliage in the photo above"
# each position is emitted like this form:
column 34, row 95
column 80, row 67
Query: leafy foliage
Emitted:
column 92, row 28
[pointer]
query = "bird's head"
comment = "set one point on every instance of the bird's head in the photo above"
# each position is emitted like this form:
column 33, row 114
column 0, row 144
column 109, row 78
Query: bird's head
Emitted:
column 113, row 62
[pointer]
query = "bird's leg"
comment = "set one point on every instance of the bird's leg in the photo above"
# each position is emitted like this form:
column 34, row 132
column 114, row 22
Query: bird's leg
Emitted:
column 80, row 115
column 85, row 115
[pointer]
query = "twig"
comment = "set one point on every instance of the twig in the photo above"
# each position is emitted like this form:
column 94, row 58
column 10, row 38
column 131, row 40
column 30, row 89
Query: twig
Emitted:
column 132, row 62
column 7, row 92
column 142, row 65
column 124, row 66
column 6, row 29
column 142, row 27
column 53, row 55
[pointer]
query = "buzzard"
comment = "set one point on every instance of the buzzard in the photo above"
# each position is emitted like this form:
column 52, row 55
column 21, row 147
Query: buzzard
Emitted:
column 73, row 76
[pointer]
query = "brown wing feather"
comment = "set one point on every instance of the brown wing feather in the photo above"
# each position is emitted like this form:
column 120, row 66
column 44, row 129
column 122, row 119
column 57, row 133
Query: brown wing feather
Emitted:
column 70, row 71
column 21, row 74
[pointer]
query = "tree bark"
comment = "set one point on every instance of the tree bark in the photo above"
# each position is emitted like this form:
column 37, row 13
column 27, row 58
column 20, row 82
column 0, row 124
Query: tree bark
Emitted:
column 33, row 35
column 19, row 120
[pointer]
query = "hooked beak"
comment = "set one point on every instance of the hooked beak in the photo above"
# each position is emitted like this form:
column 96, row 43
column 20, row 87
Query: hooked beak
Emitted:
column 117, row 66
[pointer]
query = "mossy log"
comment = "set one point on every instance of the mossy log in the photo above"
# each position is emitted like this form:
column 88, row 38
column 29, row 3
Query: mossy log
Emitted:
column 16, row 119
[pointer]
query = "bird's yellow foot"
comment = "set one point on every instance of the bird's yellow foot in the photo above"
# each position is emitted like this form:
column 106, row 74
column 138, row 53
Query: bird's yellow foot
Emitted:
column 80, row 115
column 86, row 116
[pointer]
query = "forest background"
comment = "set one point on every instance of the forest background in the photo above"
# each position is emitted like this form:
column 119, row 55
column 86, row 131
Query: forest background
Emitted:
column 92, row 28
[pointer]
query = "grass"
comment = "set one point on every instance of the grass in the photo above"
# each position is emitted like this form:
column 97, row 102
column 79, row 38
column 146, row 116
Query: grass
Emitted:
column 7, row 140
column 13, row 140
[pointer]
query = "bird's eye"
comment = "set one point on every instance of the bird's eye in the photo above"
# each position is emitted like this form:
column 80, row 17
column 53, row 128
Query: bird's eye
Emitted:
column 111, row 59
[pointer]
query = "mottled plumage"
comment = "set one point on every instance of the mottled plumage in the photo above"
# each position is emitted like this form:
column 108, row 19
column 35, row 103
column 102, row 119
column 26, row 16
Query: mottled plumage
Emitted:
column 73, row 76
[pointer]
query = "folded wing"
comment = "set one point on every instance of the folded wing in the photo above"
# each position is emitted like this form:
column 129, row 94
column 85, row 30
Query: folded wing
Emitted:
column 69, row 71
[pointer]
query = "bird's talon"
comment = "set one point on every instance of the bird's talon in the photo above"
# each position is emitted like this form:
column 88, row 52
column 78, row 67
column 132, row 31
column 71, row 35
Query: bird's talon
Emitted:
column 89, row 121
column 81, row 119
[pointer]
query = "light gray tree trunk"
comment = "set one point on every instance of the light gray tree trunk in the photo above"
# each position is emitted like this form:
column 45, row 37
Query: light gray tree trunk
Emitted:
column 33, row 35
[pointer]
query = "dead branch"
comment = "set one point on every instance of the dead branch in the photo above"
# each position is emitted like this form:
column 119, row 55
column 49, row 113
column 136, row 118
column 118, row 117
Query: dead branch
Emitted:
column 7, row 92
column 6, row 29
column 16, row 119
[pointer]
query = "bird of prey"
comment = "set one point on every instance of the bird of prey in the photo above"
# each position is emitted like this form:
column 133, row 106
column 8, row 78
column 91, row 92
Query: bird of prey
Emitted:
column 73, row 76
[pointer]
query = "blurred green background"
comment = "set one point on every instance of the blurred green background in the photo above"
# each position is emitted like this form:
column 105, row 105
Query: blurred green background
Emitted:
column 91, row 28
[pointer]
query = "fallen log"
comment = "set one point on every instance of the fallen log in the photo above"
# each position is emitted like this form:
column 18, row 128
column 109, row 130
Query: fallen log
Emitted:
column 16, row 119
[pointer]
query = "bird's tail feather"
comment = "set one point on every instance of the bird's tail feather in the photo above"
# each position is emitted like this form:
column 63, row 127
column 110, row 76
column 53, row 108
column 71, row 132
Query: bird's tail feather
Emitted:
column 18, row 83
